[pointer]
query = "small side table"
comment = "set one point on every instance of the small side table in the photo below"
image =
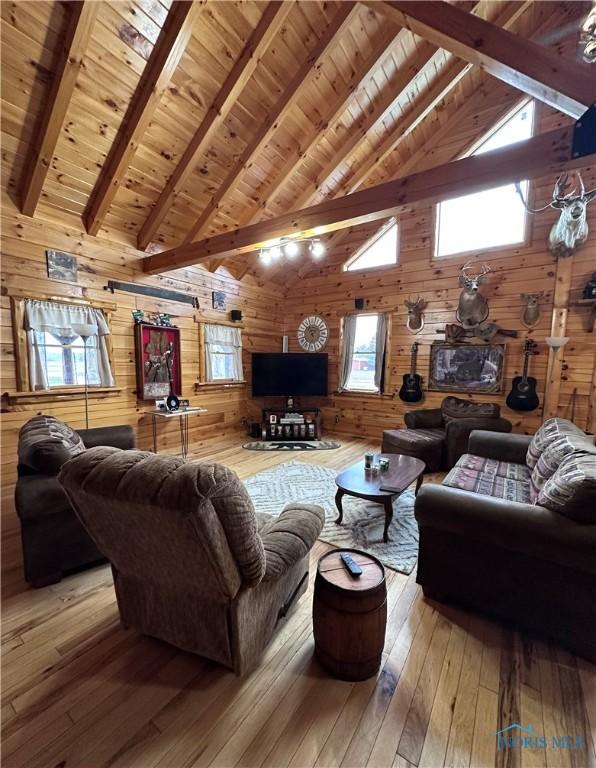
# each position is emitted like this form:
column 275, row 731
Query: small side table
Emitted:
column 182, row 415
column 350, row 615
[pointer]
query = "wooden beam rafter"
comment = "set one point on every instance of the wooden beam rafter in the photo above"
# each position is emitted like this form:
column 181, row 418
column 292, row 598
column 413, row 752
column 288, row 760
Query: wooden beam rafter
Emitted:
column 547, row 153
column 532, row 68
column 82, row 18
column 274, row 117
column 264, row 33
column 162, row 63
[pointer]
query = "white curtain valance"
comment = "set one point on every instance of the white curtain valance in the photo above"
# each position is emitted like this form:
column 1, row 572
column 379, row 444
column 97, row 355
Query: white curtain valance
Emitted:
column 64, row 319
column 222, row 334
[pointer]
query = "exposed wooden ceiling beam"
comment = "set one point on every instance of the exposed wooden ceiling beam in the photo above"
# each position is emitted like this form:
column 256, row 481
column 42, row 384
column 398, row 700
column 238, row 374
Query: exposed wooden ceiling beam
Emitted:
column 370, row 64
column 82, row 18
column 532, row 68
column 162, row 63
column 548, row 153
column 264, row 33
column 274, row 116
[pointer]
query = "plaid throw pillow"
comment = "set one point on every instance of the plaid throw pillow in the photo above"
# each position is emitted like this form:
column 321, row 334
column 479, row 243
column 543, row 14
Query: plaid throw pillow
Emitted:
column 571, row 491
column 553, row 456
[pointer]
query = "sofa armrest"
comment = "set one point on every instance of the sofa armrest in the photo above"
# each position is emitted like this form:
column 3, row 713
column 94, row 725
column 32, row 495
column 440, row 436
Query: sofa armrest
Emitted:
column 290, row 537
column 527, row 529
column 121, row 436
column 424, row 418
column 458, row 432
column 493, row 445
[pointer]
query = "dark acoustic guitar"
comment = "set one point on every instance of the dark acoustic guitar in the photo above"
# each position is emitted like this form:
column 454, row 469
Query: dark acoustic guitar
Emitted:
column 411, row 389
column 523, row 395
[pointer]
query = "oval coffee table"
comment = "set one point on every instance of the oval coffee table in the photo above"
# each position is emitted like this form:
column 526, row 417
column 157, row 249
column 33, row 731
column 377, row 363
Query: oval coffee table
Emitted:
column 381, row 488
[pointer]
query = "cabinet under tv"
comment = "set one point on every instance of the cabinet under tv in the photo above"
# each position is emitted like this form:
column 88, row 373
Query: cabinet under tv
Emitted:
column 281, row 424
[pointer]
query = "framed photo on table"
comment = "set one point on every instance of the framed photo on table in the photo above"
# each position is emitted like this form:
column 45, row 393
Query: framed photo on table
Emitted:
column 157, row 352
column 466, row 367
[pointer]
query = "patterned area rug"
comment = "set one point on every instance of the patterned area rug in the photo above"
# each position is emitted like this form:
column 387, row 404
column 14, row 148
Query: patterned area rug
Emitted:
column 292, row 445
column 362, row 526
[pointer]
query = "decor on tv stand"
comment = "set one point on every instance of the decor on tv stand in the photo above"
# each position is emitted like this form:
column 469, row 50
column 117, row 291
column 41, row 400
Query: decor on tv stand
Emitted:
column 466, row 367
column 157, row 350
column 571, row 228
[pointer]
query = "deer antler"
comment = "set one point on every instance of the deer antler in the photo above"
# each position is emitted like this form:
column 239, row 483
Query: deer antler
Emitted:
column 561, row 187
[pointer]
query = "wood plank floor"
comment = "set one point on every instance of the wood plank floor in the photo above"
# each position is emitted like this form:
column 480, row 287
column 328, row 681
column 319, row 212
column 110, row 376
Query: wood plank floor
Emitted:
column 78, row 690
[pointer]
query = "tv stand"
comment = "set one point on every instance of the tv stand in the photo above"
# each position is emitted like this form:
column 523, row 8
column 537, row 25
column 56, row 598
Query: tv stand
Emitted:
column 291, row 424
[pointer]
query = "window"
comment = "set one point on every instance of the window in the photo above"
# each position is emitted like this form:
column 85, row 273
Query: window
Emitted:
column 381, row 249
column 363, row 353
column 491, row 218
column 223, row 353
column 66, row 345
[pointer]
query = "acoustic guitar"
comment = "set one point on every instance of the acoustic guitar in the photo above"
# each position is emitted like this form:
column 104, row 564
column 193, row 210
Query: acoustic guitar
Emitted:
column 523, row 395
column 411, row 389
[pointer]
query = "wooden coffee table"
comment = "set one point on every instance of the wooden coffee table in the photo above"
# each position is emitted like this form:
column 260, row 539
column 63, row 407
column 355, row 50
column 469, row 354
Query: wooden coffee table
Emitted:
column 381, row 488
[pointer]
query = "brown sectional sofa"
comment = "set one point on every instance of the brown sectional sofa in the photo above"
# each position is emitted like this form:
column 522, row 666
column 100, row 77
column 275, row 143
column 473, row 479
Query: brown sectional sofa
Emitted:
column 512, row 532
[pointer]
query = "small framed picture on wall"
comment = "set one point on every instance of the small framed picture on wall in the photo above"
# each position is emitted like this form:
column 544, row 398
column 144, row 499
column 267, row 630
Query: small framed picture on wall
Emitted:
column 218, row 300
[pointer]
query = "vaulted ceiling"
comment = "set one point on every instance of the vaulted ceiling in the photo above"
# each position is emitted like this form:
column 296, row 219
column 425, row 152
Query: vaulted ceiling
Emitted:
column 174, row 122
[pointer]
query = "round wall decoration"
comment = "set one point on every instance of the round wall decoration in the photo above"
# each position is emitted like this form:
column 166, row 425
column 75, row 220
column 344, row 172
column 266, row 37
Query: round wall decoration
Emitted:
column 313, row 333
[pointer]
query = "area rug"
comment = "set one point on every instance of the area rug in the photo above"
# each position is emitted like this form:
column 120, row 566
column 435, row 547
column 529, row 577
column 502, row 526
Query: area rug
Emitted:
column 292, row 445
column 363, row 522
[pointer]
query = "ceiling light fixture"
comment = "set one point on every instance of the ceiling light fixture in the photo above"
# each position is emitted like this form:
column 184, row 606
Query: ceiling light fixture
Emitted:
column 290, row 248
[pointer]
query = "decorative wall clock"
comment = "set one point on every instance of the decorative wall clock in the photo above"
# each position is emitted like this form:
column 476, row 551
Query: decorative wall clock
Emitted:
column 313, row 333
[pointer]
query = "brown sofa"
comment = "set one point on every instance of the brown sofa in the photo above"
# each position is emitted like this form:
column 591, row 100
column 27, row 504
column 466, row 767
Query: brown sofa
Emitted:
column 193, row 564
column 512, row 532
column 54, row 541
column 439, row 436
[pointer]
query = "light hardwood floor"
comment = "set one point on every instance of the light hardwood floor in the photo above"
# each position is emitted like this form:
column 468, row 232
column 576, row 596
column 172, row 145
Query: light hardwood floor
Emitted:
column 78, row 690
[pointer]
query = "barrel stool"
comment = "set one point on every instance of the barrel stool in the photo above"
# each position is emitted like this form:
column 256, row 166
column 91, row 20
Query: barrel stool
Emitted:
column 349, row 615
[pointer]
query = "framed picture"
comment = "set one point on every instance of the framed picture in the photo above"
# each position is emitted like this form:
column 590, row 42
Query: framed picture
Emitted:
column 272, row 418
column 218, row 300
column 157, row 351
column 466, row 367
column 61, row 266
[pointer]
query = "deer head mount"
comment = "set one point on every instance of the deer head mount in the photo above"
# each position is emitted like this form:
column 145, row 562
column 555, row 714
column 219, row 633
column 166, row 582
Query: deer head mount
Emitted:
column 571, row 228
column 415, row 321
column 531, row 308
column 472, row 308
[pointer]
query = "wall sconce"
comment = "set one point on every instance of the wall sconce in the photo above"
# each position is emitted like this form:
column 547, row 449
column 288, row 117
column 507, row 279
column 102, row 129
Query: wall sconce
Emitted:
column 555, row 342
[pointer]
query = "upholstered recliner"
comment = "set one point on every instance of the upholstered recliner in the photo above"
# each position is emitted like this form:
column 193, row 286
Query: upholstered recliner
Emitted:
column 193, row 564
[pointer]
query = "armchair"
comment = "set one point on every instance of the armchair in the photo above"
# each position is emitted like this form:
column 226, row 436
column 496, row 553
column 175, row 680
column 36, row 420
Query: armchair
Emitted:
column 193, row 564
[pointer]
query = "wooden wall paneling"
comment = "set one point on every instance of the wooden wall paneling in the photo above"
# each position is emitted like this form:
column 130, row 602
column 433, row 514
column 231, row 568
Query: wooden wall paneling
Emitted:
column 340, row 20
column 164, row 59
column 243, row 69
column 80, row 25
column 534, row 69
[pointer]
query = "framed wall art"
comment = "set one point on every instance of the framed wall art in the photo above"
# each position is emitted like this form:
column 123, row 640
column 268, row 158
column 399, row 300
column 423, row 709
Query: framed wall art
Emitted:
column 466, row 367
column 61, row 266
column 218, row 300
column 157, row 351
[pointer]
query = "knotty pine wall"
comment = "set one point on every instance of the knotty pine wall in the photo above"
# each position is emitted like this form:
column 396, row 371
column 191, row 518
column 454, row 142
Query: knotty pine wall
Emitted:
column 528, row 268
column 24, row 242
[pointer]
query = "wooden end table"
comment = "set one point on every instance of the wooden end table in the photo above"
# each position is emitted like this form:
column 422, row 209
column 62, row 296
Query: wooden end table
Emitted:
column 381, row 488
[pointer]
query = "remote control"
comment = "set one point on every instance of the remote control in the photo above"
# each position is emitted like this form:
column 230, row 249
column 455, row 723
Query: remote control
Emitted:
column 352, row 566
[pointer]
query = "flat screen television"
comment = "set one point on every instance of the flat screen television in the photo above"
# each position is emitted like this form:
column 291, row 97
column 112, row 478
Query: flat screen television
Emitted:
column 289, row 374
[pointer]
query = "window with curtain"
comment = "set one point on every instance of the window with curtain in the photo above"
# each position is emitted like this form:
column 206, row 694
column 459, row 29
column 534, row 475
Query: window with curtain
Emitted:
column 362, row 360
column 223, row 353
column 66, row 345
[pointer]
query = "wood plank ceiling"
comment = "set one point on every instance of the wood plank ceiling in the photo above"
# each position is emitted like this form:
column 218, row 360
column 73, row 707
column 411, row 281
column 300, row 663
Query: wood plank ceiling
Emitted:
column 187, row 120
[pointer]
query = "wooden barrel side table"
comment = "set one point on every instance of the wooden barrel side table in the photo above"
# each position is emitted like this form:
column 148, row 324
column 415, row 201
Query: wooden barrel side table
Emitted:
column 349, row 615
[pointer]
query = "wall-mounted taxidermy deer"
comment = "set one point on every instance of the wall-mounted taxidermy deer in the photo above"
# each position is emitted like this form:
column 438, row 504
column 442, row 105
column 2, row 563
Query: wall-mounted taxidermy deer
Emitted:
column 415, row 321
column 571, row 228
column 472, row 308
column 530, row 309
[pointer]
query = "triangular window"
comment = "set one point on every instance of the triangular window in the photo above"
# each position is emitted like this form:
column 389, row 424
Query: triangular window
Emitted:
column 380, row 250
column 495, row 217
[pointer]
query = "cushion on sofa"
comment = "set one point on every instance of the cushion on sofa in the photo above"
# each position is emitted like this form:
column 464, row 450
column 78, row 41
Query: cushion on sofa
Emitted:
column 571, row 490
column 546, row 433
column 488, row 485
column 458, row 408
column 506, row 469
column 45, row 443
column 552, row 457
